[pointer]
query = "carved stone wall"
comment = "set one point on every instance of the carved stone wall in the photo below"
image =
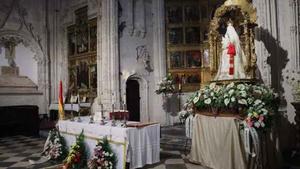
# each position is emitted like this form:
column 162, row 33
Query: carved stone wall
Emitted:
column 277, row 49
column 19, row 19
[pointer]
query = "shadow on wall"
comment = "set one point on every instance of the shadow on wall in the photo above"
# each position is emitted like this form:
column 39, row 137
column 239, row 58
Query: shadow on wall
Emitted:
column 277, row 60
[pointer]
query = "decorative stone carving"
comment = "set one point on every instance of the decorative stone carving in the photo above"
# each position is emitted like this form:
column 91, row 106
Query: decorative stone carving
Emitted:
column 142, row 54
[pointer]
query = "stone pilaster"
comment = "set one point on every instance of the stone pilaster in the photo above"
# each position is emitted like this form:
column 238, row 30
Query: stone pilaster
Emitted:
column 159, row 56
column 108, row 54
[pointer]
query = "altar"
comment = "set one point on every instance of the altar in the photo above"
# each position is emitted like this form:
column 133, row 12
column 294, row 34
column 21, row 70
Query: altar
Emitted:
column 217, row 143
column 138, row 146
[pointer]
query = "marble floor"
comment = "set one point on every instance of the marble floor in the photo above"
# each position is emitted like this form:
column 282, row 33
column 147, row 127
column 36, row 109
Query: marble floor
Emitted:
column 16, row 151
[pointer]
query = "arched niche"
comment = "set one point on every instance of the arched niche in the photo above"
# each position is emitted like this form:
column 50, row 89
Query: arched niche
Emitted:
column 243, row 15
column 29, row 44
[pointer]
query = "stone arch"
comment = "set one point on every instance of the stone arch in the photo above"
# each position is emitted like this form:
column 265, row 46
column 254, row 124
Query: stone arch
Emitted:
column 144, row 95
column 39, row 56
column 27, row 41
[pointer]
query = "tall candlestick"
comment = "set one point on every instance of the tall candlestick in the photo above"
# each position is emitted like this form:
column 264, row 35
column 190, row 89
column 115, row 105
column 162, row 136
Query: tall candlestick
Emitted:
column 112, row 107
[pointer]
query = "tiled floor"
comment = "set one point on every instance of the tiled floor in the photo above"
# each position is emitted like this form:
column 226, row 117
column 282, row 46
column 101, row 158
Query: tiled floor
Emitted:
column 16, row 151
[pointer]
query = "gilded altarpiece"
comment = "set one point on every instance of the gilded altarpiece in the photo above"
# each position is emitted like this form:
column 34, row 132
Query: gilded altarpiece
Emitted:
column 188, row 55
column 82, row 63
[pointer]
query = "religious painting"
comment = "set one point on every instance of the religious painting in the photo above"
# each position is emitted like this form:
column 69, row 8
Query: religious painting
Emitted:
column 192, row 78
column 93, row 38
column 82, row 34
column 193, row 59
column 174, row 14
column 175, row 36
column 71, row 41
column 93, row 76
column 192, row 35
column 191, row 13
column 82, row 75
column 176, row 59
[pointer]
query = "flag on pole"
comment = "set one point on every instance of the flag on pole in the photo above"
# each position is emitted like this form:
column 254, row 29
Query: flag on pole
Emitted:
column 61, row 110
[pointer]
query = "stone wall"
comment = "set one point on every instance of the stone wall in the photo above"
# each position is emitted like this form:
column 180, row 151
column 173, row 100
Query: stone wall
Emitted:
column 25, row 20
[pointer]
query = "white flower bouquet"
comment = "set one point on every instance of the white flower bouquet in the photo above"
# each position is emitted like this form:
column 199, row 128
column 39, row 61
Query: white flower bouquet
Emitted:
column 167, row 85
column 250, row 100
column 55, row 147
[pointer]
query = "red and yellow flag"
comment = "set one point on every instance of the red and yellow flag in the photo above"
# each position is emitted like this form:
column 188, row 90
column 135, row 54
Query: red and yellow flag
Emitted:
column 61, row 110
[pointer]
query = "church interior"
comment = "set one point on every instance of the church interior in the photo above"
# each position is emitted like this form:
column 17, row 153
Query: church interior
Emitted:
column 150, row 84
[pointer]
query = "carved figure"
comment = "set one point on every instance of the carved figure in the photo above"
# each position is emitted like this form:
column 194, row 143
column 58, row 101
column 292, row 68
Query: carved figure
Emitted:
column 232, row 59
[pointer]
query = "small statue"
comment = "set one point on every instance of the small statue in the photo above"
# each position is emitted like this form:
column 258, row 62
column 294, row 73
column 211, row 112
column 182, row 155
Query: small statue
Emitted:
column 233, row 59
column 10, row 53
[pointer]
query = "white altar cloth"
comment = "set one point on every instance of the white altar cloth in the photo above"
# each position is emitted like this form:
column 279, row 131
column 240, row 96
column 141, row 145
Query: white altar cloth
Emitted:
column 139, row 146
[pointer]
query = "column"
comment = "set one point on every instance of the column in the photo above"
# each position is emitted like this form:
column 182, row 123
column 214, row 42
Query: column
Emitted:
column 159, row 60
column 108, row 54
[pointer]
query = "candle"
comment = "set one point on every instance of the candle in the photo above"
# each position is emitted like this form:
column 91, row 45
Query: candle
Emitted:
column 112, row 107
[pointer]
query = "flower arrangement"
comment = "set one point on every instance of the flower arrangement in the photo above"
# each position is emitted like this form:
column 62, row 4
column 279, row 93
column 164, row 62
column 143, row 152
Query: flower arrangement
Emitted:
column 167, row 85
column 76, row 158
column 55, row 146
column 186, row 111
column 103, row 157
column 251, row 100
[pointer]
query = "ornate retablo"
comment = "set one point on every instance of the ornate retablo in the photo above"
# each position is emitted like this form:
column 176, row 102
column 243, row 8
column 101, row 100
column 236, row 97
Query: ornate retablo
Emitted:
column 231, row 42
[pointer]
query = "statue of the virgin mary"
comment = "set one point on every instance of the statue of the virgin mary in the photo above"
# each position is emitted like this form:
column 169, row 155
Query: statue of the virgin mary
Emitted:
column 233, row 59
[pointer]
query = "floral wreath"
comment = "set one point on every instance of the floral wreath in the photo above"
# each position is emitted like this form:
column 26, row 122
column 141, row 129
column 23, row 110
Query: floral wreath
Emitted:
column 103, row 157
column 76, row 158
column 55, row 146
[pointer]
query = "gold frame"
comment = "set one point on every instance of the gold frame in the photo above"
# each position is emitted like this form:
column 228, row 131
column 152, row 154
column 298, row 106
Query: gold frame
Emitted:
column 74, row 60
column 202, row 24
column 247, row 23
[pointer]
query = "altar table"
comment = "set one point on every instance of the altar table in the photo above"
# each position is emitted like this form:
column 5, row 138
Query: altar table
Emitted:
column 216, row 143
column 138, row 146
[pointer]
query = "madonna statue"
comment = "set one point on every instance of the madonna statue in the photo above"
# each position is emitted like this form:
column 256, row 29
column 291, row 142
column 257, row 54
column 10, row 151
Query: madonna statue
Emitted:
column 233, row 59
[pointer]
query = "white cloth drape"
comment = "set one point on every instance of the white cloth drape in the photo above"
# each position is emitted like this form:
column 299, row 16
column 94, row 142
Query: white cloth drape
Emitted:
column 216, row 143
column 139, row 146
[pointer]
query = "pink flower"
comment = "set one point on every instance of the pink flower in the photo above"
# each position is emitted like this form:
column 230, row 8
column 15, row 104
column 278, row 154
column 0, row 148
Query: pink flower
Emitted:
column 261, row 118
column 250, row 123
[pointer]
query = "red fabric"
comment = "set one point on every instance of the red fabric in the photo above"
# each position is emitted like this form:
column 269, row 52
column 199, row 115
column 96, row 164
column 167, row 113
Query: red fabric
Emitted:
column 119, row 115
column 231, row 49
column 231, row 52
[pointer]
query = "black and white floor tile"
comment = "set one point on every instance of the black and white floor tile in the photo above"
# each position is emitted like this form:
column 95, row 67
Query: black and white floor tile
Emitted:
column 16, row 151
